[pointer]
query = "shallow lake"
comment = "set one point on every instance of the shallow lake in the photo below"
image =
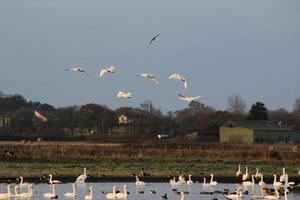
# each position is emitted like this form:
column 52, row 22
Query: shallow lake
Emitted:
column 160, row 188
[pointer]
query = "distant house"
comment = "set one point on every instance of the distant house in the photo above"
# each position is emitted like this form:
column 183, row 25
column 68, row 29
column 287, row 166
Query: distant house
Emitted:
column 258, row 132
column 4, row 122
column 196, row 105
column 123, row 119
column 147, row 106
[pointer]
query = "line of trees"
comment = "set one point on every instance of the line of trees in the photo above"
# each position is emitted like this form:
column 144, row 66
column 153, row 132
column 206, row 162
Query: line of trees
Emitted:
column 101, row 121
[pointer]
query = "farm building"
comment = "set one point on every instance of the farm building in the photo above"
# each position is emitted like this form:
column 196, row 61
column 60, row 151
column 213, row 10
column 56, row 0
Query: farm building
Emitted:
column 250, row 132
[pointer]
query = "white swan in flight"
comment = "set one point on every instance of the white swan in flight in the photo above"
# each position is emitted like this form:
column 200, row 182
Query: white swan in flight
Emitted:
column 110, row 69
column 82, row 177
column 179, row 78
column 187, row 98
column 77, row 69
column 124, row 95
column 150, row 77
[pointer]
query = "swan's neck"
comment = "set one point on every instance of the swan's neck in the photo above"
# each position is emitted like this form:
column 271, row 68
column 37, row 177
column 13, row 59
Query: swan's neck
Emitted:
column 211, row 178
column 204, row 180
column 74, row 188
column 8, row 189
column 125, row 191
column 253, row 180
column 84, row 171
column 16, row 192
column 277, row 193
column 239, row 169
column 21, row 182
column 182, row 197
column 190, row 178
column 53, row 190
column 274, row 179
column 246, row 170
column 262, row 179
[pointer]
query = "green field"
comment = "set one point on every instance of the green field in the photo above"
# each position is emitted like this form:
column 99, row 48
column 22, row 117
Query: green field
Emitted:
column 123, row 169
column 163, row 161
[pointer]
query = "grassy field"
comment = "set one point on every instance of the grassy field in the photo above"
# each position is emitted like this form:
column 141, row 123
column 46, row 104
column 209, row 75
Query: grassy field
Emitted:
column 118, row 161
column 160, row 170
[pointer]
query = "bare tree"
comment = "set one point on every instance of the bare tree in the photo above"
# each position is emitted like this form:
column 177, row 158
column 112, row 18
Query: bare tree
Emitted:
column 236, row 104
column 297, row 104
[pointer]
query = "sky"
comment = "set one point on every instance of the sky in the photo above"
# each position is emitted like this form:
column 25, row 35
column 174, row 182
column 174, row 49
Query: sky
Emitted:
column 223, row 48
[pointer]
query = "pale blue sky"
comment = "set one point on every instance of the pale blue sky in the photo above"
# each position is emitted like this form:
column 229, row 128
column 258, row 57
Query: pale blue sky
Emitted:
column 250, row 48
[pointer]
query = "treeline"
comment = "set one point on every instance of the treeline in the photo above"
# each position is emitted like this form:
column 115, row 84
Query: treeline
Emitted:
column 95, row 121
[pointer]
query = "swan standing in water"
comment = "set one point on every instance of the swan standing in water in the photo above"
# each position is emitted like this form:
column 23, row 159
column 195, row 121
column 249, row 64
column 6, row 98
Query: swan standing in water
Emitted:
column 110, row 69
column 28, row 194
column 138, row 182
column 22, row 184
column 82, row 177
column 246, row 175
column 238, row 195
column 257, row 174
column 53, row 181
column 283, row 176
column 90, row 196
column 262, row 183
column 123, row 195
column 276, row 184
column 239, row 172
column 51, row 195
column 276, row 196
column 77, row 69
column 249, row 183
column 189, row 182
column 179, row 78
column 71, row 194
column 150, row 77
column 124, row 95
column 204, row 183
column 113, row 194
column 173, row 182
column 212, row 182
column 8, row 194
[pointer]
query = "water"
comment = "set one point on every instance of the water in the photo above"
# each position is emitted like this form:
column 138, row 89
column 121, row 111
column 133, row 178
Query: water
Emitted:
column 161, row 188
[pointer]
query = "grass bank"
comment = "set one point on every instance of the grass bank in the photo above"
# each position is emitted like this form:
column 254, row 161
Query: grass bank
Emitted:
column 160, row 170
column 107, row 162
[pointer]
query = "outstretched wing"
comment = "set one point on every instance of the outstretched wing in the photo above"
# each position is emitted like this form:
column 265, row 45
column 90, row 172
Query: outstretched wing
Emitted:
column 185, row 84
column 181, row 95
column 102, row 72
column 155, row 80
column 153, row 39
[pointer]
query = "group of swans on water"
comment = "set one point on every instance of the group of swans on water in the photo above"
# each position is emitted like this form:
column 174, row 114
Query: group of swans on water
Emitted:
column 283, row 184
column 182, row 181
column 50, row 195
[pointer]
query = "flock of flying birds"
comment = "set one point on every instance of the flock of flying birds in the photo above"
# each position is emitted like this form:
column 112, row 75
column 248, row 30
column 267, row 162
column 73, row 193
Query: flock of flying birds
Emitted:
column 127, row 95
